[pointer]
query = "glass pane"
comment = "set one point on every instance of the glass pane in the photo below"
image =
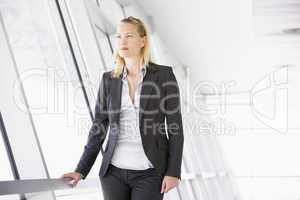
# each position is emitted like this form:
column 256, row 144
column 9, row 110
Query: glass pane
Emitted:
column 5, row 169
column 51, row 84
column 105, row 48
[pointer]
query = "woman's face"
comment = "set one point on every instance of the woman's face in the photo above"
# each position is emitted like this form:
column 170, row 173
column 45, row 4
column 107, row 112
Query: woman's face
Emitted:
column 129, row 42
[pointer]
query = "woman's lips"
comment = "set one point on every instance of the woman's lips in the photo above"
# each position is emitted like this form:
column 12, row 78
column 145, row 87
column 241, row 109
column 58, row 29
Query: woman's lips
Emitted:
column 124, row 48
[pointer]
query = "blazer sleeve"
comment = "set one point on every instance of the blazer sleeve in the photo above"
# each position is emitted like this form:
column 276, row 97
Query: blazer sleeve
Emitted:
column 174, row 125
column 97, row 132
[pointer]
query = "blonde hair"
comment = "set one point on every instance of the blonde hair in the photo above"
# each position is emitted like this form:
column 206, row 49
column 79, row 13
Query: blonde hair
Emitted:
column 145, row 51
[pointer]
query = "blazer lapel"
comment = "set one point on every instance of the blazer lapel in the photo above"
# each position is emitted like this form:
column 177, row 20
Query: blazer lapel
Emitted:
column 149, row 79
column 148, row 84
column 115, row 100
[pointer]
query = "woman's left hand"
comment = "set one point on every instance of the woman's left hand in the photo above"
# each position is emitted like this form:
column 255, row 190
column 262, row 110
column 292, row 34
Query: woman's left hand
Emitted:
column 168, row 183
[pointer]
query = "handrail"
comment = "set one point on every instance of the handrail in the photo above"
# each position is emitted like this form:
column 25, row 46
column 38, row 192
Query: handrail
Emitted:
column 43, row 185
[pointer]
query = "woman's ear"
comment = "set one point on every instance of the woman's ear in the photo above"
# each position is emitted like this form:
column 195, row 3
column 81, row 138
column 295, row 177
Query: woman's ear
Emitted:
column 143, row 41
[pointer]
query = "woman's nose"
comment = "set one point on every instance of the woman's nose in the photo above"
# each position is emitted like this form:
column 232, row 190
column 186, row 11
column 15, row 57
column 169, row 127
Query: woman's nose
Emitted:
column 123, row 41
column 122, row 44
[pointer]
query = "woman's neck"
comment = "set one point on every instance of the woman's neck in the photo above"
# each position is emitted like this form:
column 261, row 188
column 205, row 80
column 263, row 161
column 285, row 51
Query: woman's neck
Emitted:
column 133, row 65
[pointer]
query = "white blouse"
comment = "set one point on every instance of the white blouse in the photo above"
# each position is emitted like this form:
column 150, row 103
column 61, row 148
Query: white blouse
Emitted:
column 129, row 152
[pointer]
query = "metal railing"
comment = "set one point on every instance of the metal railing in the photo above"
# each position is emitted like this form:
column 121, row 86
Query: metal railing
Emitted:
column 43, row 185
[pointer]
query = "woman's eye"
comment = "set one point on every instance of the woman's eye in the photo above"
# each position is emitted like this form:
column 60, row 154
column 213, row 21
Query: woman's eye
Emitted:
column 127, row 36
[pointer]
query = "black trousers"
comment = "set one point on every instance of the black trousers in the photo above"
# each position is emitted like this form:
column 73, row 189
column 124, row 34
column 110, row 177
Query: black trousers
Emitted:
column 126, row 184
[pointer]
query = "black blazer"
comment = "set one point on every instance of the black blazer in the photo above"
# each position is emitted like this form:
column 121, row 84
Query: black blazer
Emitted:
column 159, row 100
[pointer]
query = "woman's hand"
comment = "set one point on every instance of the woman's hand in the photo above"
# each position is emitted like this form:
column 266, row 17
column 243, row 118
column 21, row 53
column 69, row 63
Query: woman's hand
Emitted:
column 72, row 177
column 168, row 183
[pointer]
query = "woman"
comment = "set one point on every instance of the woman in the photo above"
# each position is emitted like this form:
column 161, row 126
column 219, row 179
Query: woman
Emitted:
column 142, row 158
